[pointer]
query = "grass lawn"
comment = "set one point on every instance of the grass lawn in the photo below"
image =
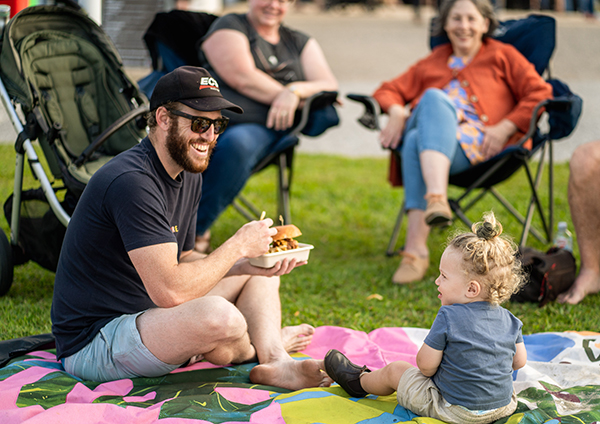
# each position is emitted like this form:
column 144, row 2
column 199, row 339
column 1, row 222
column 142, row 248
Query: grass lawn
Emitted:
column 346, row 209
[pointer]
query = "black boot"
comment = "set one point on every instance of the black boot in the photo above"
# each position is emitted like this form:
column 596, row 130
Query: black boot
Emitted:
column 345, row 373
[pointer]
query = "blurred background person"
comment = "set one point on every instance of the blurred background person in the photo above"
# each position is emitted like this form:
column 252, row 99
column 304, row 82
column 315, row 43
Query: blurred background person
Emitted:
column 269, row 70
column 584, row 186
column 468, row 100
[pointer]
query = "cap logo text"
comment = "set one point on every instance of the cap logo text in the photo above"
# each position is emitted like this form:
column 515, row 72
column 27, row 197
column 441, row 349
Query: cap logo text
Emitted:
column 208, row 82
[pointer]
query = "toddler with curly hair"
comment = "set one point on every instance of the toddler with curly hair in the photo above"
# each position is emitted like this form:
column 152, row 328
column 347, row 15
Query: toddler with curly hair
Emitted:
column 464, row 368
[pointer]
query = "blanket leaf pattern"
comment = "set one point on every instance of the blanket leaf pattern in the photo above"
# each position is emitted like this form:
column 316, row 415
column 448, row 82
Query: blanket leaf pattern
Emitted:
column 559, row 384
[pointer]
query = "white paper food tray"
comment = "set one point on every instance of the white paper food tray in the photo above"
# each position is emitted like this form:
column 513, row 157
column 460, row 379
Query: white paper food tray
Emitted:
column 268, row 260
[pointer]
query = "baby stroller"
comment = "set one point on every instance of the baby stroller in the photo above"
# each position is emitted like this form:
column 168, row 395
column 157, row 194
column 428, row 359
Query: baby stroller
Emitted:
column 62, row 83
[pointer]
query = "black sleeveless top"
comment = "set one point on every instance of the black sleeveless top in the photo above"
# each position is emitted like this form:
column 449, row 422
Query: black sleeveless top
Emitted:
column 281, row 61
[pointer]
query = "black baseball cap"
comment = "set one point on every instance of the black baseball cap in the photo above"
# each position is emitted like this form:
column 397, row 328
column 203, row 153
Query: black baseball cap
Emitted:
column 194, row 87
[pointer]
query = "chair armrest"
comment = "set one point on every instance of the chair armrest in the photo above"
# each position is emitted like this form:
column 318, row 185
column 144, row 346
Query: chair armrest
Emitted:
column 316, row 101
column 370, row 117
column 535, row 117
column 558, row 104
column 561, row 104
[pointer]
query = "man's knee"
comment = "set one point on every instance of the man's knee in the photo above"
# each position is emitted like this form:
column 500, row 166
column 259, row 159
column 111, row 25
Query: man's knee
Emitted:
column 220, row 318
column 585, row 162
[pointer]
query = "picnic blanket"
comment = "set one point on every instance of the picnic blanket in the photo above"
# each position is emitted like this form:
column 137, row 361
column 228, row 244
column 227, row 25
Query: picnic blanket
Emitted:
column 559, row 384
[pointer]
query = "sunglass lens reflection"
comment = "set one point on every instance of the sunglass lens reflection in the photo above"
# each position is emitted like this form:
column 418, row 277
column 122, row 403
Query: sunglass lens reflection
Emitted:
column 201, row 125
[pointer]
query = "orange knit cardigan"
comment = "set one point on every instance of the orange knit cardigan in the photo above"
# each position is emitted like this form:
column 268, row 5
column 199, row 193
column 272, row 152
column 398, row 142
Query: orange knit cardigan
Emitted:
column 500, row 83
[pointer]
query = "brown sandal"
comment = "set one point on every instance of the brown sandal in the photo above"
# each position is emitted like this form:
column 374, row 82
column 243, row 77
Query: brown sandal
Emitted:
column 412, row 268
column 438, row 212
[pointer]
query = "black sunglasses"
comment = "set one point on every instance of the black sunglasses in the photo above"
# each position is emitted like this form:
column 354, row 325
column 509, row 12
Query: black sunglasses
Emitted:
column 200, row 124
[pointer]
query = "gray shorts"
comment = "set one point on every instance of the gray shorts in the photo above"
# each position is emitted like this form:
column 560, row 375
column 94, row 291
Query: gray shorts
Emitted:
column 420, row 394
column 116, row 352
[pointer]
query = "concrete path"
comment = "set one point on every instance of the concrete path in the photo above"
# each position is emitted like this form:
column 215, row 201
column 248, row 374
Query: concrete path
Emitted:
column 365, row 48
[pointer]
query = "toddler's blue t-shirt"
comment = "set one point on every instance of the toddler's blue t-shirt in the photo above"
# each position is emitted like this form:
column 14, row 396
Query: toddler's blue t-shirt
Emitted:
column 478, row 340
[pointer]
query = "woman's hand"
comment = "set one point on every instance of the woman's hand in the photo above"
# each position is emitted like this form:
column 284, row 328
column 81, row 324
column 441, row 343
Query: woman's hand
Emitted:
column 282, row 110
column 391, row 134
column 496, row 136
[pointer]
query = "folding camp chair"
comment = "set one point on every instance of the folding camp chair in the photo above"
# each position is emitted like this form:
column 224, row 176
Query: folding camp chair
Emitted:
column 534, row 37
column 172, row 40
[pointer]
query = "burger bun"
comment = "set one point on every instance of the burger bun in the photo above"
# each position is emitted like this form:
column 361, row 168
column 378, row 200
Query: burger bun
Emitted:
column 286, row 232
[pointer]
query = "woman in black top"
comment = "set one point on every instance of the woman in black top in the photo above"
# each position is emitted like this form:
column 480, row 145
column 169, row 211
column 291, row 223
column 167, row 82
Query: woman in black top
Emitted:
column 269, row 70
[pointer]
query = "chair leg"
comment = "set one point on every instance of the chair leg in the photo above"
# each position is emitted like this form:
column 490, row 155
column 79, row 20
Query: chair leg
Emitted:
column 460, row 213
column 550, row 227
column 391, row 249
column 465, row 209
column 245, row 208
column 285, row 178
column 518, row 217
column 283, row 160
column 535, row 201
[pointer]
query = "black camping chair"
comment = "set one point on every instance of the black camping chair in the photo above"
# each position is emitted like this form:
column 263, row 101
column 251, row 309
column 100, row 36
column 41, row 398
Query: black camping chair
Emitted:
column 172, row 41
column 534, row 37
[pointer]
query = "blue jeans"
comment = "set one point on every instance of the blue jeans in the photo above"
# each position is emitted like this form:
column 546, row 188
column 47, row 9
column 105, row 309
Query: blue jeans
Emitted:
column 239, row 149
column 431, row 126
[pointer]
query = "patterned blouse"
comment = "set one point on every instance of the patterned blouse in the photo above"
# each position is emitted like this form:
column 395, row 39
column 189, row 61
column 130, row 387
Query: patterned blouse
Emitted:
column 470, row 129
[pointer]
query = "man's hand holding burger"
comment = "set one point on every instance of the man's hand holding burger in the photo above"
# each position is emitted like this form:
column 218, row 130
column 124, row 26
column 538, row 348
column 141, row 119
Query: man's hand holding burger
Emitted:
column 255, row 239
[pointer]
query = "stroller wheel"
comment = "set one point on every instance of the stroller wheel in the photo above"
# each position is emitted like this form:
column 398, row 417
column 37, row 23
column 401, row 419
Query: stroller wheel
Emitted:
column 6, row 264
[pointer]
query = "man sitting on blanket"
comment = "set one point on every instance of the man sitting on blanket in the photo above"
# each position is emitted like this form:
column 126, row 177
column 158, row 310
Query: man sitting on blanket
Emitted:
column 132, row 298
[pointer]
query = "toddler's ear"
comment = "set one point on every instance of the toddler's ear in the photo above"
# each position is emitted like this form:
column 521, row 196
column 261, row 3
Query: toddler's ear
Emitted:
column 473, row 289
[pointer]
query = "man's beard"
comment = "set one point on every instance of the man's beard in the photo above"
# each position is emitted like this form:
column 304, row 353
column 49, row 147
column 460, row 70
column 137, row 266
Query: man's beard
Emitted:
column 178, row 148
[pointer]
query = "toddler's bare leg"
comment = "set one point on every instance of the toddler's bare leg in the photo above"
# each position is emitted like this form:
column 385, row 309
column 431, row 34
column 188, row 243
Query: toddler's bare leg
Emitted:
column 384, row 381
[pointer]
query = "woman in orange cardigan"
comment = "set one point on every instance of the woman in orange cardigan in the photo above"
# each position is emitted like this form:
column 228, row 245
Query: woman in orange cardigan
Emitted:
column 460, row 105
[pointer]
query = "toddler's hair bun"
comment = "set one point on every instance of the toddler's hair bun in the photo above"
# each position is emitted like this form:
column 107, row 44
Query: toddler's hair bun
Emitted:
column 487, row 231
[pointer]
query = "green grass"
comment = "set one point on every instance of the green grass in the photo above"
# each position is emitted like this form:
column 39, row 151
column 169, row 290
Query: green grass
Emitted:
column 346, row 209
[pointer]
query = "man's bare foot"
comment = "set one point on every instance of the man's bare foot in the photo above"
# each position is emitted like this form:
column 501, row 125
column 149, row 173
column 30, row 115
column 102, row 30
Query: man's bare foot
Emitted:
column 291, row 374
column 587, row 282
column 297, row 337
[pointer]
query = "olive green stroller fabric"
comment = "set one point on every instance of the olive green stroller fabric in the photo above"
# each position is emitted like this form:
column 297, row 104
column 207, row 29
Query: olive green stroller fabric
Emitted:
column 58, row 65
column 64, row 87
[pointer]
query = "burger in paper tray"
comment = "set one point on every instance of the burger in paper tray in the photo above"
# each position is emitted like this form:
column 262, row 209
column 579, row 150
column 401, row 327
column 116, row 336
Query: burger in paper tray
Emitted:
column 284, row 246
